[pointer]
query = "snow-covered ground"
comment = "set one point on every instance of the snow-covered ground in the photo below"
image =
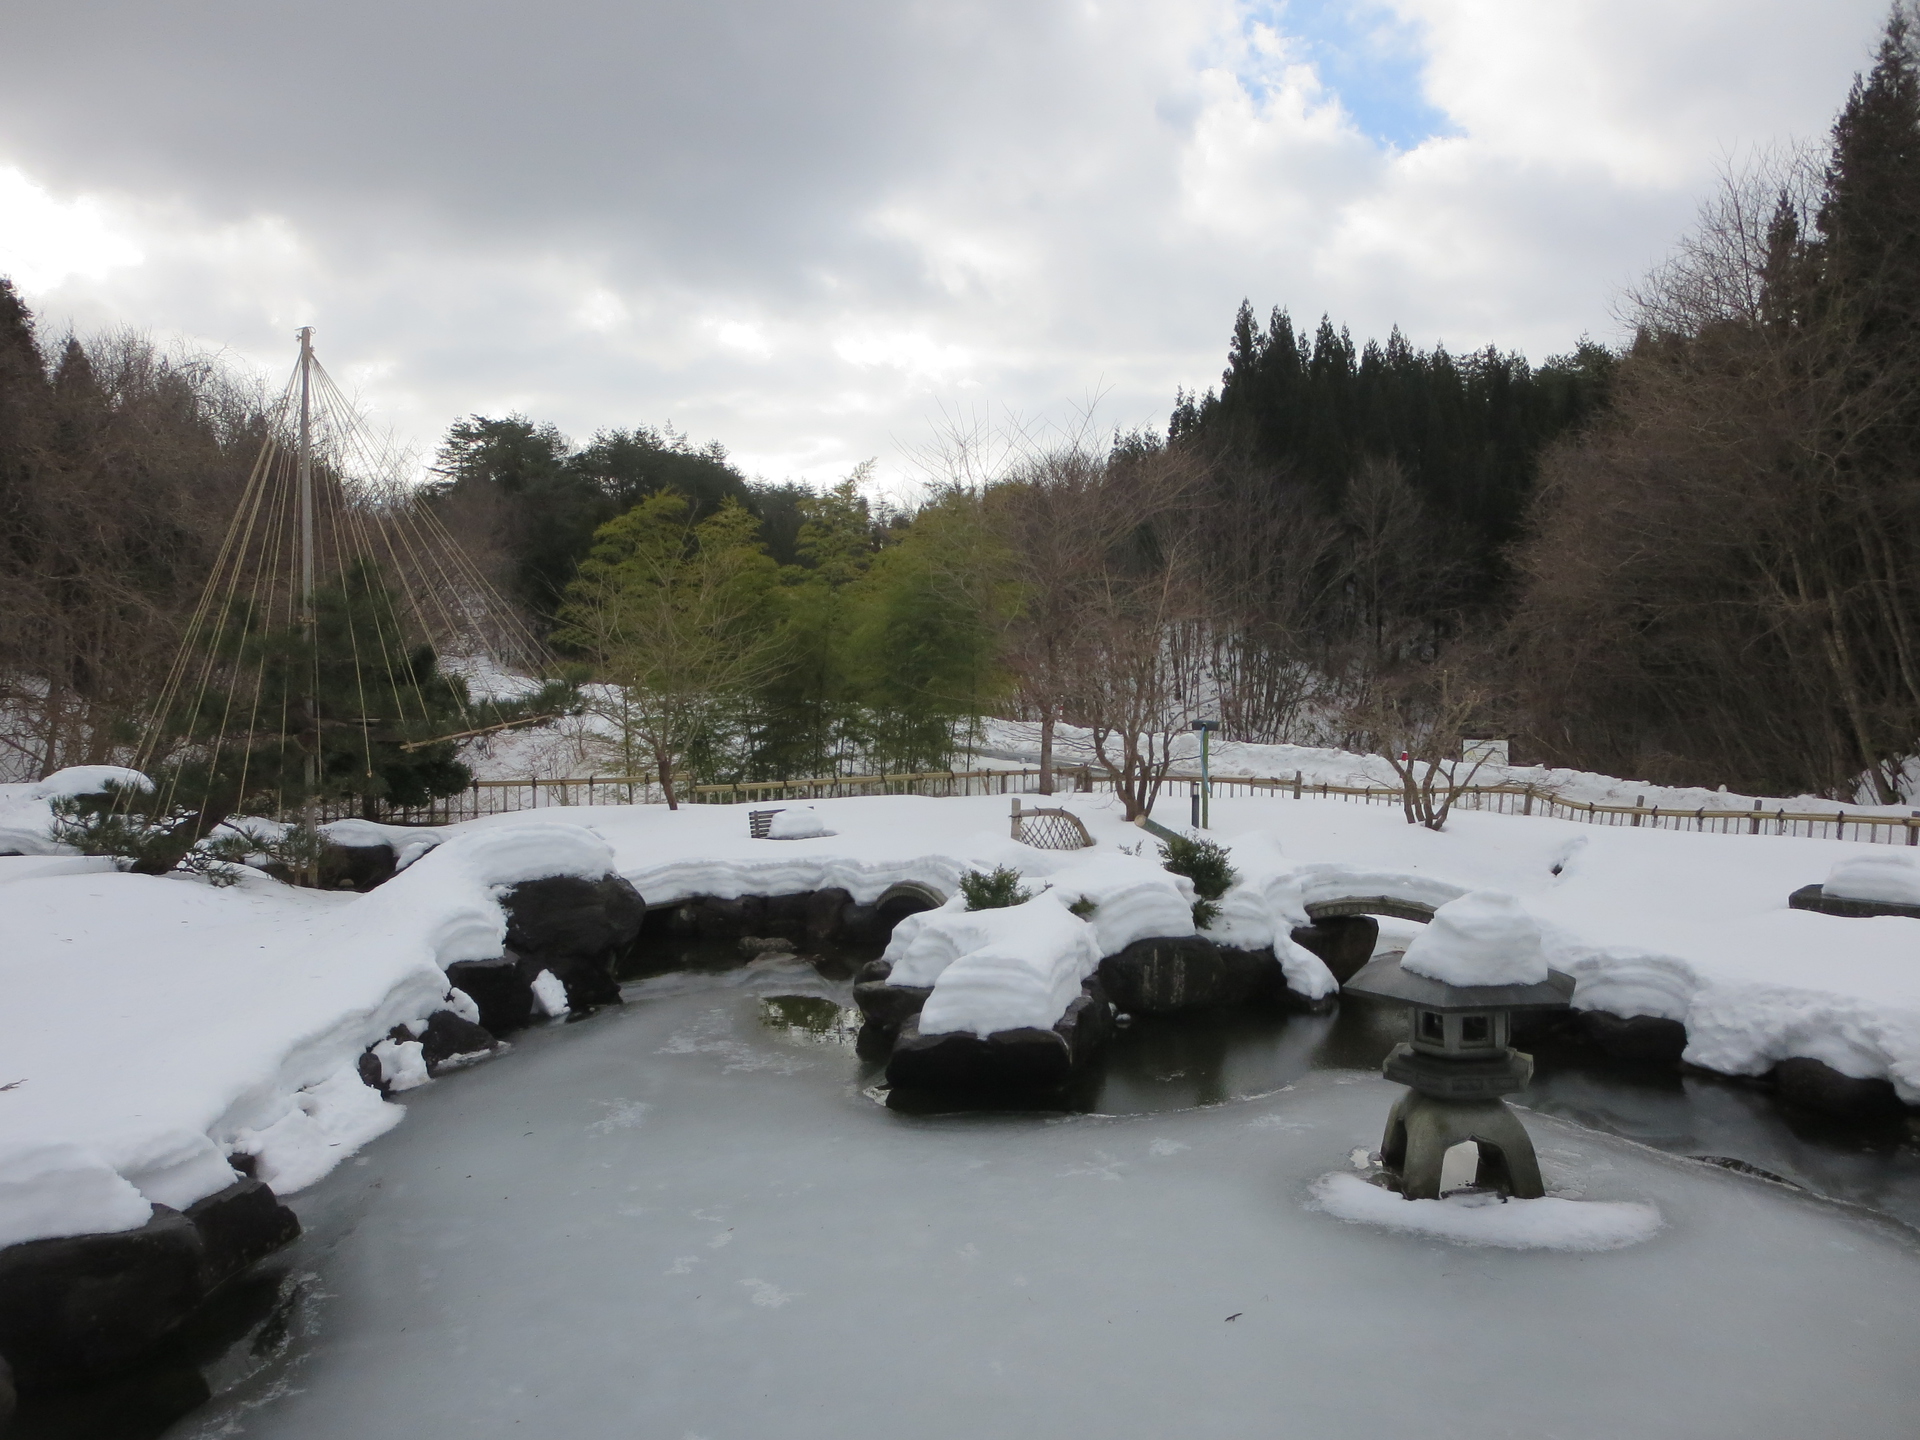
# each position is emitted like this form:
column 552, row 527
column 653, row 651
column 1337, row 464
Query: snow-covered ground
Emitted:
column 1019, row 741
column 153, row 1025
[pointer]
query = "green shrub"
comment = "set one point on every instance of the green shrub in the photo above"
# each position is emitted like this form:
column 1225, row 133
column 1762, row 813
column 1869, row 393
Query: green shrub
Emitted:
column 1084, row 907
column 1201, row 861
column 994, row 891
column 1205, row 912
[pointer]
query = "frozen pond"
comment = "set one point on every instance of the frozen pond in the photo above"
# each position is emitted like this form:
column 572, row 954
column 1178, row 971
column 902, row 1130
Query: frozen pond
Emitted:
column 688, row 1218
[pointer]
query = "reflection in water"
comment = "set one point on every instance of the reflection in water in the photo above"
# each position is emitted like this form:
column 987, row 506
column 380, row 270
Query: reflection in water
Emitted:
column 811, row 1020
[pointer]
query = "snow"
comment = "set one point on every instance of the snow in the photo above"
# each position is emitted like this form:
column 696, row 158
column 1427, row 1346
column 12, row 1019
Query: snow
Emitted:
column 26, row 808
column 1892, row 877
column 157, row 1025
column 801, row 822
column 1485, row 937
column 999, row 969
column 53, row 1188
column 549, row 995
column 1019, row 740
column 1548, row 1223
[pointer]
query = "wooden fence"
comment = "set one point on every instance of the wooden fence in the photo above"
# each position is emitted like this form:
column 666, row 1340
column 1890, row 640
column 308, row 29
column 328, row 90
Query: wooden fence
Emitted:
column 496, row 797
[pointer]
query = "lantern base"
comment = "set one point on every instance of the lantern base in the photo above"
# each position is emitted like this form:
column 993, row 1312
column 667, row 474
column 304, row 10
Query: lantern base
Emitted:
column 1422, row 1128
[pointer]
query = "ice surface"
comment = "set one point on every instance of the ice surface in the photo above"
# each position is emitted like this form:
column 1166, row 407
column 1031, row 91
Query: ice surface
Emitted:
column 1549, row 1223
column 1483, row 938
column 1891, row 875
column 673, row 1220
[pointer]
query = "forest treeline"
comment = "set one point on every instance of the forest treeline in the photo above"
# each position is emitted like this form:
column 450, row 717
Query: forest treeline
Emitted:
column 1693, row 559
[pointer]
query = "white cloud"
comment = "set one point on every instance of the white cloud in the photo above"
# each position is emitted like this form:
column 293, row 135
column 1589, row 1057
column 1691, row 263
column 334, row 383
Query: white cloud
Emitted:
column 805, row 230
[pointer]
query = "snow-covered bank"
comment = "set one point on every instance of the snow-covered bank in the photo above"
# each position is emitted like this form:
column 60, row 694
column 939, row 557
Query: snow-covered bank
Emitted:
column 153, row 1026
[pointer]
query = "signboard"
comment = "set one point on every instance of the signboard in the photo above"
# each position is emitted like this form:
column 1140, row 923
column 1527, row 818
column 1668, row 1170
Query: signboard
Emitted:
column 1484, row 752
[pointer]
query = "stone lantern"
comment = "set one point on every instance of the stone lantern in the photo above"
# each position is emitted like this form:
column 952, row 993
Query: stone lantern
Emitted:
column 1460, row 1060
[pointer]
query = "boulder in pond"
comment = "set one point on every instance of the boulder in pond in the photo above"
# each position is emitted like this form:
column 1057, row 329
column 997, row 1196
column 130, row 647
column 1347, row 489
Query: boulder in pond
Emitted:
column 1016, row 1063
column 1639, row 1039
column 1816, row 1085
column 579, row 929
column 449, row 1040
column 82, row 1306
column 1344, row 943
column 1166, row 975
column 238, row 1225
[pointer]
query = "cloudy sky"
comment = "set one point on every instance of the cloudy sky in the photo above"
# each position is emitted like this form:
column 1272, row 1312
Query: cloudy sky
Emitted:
column 827, row 231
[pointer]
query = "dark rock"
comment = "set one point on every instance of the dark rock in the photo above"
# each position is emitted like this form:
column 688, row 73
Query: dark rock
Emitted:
column 372, row 1074
column 1162, row 976
column 890, row 910
column 447, row 1035
column 786, row 915
column 503, row 989
column 238, row 1225
column 9, row 1401
column 1008, row 1062
column 889, row 1006
column 718, row 919
column 589, row 980
column 79, row 1307
column 1344, row 943
column 1088, row 1024
column 567, row 915
column 874, row 970
column 862, row 925
column 824, row 910
column 1814, row 897
column 579, row 929
column 1818, row 1086
column 356, row 867
column 1644, row 1039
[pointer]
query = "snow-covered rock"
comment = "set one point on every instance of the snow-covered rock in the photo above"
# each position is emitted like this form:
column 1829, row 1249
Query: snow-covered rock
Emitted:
column 1892, row 877
column 26, row 810
column 1485, row 937
column 801, row 822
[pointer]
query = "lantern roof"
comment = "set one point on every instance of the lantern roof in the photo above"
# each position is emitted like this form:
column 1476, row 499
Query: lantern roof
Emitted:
column 1386, row 980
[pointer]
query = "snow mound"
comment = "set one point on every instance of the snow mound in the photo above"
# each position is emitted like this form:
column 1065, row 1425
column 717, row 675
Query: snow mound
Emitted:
column 1483, row 938
column 1132, row 899
column 1549, row 1223
column 56, row 1188
column 801, row 823
column 26, row 810
column 78, row 780
column 1002, row 969
column 1892, row 878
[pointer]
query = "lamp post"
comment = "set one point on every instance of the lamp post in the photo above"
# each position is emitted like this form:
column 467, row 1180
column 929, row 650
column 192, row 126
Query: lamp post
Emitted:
column 1456, row 1067
column 1205, row 817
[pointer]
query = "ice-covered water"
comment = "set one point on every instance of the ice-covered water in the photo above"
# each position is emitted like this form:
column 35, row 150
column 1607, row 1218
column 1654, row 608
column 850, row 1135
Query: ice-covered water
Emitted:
column 685, row 1218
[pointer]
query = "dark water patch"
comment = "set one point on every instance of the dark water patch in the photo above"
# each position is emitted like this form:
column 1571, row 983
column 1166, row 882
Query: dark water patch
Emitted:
column 811, row 1020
